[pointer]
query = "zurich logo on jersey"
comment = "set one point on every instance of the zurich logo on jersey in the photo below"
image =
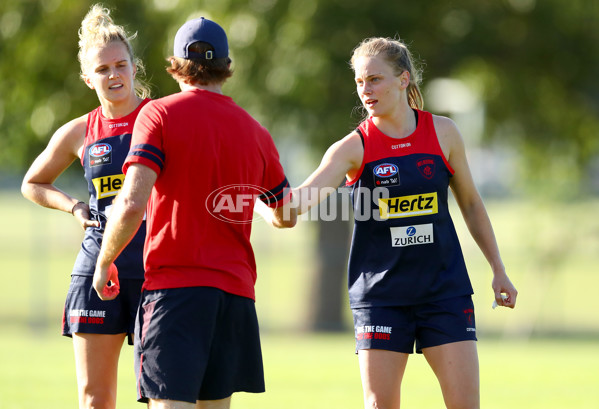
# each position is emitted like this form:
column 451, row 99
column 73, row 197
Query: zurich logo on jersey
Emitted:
column 416, row 235
column 100, row 149
column 386, row 170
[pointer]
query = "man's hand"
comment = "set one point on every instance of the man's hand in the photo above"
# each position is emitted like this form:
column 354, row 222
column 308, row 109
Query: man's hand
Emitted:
column 106, row 282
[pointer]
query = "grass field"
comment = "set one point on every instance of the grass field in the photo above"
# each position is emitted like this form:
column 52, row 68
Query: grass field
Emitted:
column 551, row 252
column 320, row 372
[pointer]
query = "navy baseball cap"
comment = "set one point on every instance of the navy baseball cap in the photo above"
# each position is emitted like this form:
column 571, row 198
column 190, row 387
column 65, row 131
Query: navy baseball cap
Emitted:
column 201, row 29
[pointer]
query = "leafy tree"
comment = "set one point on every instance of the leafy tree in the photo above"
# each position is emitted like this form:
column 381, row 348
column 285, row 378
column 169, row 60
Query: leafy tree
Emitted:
column 533, row 62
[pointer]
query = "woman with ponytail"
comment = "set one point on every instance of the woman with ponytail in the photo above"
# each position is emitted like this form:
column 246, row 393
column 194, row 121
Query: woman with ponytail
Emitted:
column 100, row 141
column 408, row 284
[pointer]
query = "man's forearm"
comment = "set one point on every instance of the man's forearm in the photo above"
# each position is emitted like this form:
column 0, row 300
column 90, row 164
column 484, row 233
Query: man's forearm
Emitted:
column 120, row 229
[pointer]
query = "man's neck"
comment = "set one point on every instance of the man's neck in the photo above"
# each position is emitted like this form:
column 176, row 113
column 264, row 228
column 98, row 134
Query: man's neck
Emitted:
column 217, row 88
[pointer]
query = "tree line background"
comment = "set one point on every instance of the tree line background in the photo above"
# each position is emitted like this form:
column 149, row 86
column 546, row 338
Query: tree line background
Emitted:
column 525, row 71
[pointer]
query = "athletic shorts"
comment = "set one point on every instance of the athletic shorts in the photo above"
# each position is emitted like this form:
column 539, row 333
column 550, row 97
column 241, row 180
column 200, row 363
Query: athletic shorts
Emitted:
column 86, row 313
column 426, row 325
column 196, row 343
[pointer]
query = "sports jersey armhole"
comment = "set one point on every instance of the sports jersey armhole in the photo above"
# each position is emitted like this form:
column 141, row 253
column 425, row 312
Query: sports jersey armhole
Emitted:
column 359, row 173
column 85, row 138
column 441, row 153
column 449, row 168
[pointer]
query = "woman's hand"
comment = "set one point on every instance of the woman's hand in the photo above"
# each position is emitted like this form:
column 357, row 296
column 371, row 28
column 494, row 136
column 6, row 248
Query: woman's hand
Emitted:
column 81, row 213
column 505, row 292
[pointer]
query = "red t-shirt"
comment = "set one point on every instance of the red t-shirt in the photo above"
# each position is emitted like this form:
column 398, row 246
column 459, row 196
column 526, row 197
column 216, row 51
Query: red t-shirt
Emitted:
column 212, row 159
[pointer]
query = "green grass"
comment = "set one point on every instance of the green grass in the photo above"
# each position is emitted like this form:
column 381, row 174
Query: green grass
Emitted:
column 321, row 372
column 551, row 252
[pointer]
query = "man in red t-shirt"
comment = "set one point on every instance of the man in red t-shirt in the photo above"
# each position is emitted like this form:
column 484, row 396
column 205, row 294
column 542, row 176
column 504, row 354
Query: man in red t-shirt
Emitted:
column 197, row 164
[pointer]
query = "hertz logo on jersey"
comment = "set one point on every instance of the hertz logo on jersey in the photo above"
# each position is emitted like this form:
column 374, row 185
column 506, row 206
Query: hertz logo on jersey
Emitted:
column 108, row 186
column 408, row 206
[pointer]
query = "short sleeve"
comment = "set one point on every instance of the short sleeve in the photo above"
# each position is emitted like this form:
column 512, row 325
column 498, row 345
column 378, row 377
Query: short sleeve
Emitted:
column 146, row 142
column 277, row 196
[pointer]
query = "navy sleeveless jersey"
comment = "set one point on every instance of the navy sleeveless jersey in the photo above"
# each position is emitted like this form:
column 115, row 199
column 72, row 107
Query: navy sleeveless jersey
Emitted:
column 106, row 146
column 405, row 249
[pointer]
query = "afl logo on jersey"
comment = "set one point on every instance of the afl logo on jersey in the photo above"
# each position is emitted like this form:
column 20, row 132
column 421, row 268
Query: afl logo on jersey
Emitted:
column 100, row 154
column 386, row 170
column 386, row 174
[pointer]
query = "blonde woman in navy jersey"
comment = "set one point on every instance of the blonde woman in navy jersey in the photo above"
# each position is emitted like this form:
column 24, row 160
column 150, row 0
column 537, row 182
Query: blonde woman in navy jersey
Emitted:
column 100, row 140
column 408, row 283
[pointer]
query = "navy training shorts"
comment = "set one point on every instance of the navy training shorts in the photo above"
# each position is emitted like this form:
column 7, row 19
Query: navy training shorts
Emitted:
column 86, row 313
column 196, row 343
column 427, row 325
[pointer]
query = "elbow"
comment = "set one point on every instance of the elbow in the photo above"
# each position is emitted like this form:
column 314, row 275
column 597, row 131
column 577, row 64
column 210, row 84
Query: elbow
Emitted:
column 24, row 190
column 27, row 189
